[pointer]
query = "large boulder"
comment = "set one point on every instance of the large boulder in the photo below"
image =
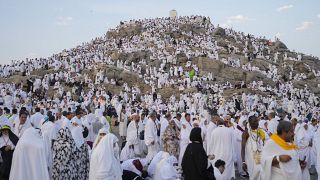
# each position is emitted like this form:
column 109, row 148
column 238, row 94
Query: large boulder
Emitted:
column 175, row 34
column 311, row 75
column 278, row 45
column 255, row 76
column 154, row 63
column 185, row 27
column 261, row 64
column 130, row 78
column 222, row 43
column 115, row 55
column 134, row 56
column 167, row 92
column 210, row 65
column 182, row 58
column 300, row 67
column 233, row 74
column 219, row 32
column 285, row 73
column 126, row 31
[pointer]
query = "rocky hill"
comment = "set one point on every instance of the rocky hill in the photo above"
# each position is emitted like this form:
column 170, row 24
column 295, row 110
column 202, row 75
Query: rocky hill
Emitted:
column 229, row 55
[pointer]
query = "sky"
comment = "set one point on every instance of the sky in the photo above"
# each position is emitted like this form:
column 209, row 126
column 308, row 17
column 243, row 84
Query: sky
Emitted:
column 40, row 28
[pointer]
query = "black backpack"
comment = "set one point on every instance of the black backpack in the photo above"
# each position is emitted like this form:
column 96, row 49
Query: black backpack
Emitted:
column 141, row 135
column 85, row 132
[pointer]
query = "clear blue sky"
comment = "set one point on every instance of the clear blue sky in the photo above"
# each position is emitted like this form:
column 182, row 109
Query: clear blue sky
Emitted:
column 39, row 28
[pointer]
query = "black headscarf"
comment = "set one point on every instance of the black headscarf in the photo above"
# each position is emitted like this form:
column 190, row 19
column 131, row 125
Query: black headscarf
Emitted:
column 13, row 138
column 195, row 135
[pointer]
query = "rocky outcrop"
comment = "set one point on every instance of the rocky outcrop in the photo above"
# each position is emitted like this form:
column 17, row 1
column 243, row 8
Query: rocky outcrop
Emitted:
column 219, row 32
column 280, row 46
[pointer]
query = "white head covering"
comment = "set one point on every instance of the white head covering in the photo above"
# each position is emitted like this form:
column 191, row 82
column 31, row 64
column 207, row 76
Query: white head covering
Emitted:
column 165, row 169
column 104, row 163
column 204, row 116
column 157, row 158
column 302, row 133
column 172, row 160
column 98, row 138
column 30, row 150
column 129, row 166
column 77, row 136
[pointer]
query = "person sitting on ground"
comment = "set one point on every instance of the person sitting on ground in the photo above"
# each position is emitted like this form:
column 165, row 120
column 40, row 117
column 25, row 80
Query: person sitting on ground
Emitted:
column 219, row 167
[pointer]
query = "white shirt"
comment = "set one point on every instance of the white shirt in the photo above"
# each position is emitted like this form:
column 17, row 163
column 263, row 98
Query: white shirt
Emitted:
column 150, row 133
column 272, row 125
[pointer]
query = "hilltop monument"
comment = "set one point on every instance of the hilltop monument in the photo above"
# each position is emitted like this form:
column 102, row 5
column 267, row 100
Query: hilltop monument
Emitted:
column 173, row 13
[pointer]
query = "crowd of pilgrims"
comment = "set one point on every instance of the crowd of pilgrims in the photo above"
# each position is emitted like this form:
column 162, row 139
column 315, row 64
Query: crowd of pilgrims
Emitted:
column 69, row 141
column 83, row 131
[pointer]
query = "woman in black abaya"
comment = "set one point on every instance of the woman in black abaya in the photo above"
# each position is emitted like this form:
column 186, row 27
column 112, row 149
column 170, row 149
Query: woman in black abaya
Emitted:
column 195, row 161
column 8, row 141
